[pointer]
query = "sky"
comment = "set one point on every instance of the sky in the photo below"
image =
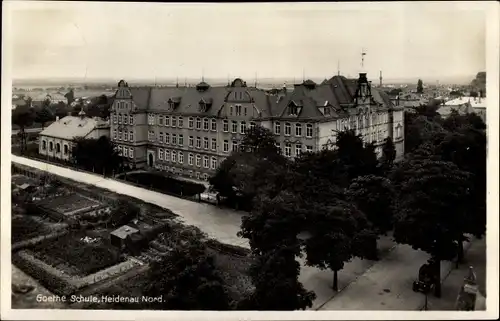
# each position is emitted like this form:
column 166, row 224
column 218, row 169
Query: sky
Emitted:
column 148, row 40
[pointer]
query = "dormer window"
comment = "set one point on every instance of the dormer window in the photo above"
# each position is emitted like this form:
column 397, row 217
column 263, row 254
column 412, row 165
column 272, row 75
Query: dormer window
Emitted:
column 203, row 106
column 293, row 109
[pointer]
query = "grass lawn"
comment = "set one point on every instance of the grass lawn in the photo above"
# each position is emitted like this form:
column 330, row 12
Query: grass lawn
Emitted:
column 77, row 257
column 165, row 184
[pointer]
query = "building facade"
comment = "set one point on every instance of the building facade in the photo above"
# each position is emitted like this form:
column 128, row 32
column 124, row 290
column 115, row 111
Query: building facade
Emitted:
column 189, row 131
column 57, row 139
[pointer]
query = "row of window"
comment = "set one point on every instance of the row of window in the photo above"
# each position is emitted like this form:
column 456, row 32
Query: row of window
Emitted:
column 178, row 157
column 126, row 136
column 362, row 121
column 180, row 171
column 57, row 147
column 125, row 119
column 126, row 151
column 178, row 121
column 298, row 149
column 298, row 129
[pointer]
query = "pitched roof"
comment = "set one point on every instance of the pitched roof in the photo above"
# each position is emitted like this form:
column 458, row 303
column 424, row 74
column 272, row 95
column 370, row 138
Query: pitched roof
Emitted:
column 70, row 127
column 124, row 231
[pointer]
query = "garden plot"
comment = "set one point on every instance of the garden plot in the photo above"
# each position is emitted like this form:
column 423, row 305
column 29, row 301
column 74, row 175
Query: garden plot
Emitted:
column 78, row 254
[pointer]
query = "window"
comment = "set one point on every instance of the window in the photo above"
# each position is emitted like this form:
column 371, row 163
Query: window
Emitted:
column 174, row 156
column 277, row 128
column 278, row 146
column 151, row 119
column 190, row 159
column 231, row 111
column 197, row 175
column 150, row 135
column 167, row 138
column 234, row 127
column 309, row 130
column 235, row 145
column 180, row 122
column 298, row 130
column 66, row 149
column 309, row 148
column 198, row 142
column 245, row 111
column 120, row 151
column 181, row 158
column 181, row 140
column 51, row 146
column 114, row 119
column 205, row 142
column 238, row 110
column 190, row 122
column 243, row 127
column 174, row 139
column 213, row 123
column 198, row 160
column 288, row 129
column 214, row 163
column 125, row 119
column 288, row 149
column 198, row 123
column 298, row 149
column 131, row 152
column 114, row 134
column 167, row 154
column 167, row 120
column 191, row 141
column 160, row 153
column 160, row 120
column 125, row 152
column 205, row 124
column 205, row 161
column 226, row 146
column 119, row 118
column 125, row 136
column 225, row 126
column 174, row 121
column 161, row 137
column 252, row 125
column 120, row 135
column 214, row 144
column 44, row 145
column 131, row 136
column 131, row 122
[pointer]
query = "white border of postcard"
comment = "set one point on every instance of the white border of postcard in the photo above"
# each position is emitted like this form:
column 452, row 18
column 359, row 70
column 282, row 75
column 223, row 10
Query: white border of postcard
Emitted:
column 493, row 69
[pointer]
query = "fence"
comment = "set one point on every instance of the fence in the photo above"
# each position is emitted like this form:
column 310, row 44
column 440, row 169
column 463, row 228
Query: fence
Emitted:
column 105, row 274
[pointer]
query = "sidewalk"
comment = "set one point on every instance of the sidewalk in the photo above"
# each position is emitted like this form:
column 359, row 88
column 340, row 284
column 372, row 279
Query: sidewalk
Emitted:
column 387, row 285
column 475, row 257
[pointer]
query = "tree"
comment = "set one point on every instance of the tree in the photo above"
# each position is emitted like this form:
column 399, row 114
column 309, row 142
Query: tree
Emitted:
column 420, row 86
column 273, row 221
column 374, row 196
column 123, row 212
column 354, row 157
column 432, row 209
column 388, row 155
column 100, row 155
column 339, row 233
column 255, row 168
column 61, row 110
column 23, row 117
column 187, row 279
column 70, row 96
column 44, row 115
column 275, row 277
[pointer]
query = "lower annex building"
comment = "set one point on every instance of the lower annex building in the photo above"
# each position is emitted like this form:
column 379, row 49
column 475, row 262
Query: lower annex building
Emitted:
column 189, row 131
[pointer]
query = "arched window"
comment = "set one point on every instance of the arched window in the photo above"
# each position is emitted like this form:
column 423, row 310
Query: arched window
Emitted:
column 65, row 149
column 58, row 148
column 51, row 146
column 44, row 145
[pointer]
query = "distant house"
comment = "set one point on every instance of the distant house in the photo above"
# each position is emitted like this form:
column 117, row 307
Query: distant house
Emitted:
column 57, row 139
column 465, row 105
column 120, row 236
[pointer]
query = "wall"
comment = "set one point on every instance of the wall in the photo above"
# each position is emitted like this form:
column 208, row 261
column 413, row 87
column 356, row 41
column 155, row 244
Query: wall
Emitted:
column 53, row 153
